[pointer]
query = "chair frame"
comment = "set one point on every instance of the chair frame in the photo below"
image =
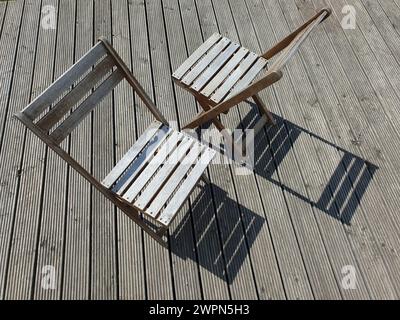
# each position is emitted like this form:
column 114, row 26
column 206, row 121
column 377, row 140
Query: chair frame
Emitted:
column 288, row 46
column 28, row 115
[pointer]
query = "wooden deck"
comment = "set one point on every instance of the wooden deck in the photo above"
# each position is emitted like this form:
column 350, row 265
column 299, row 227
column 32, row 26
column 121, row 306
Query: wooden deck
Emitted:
column 324, row 193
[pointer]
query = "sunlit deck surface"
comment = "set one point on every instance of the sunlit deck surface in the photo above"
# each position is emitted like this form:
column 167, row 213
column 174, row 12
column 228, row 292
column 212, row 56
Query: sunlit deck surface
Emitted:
column 322, row 201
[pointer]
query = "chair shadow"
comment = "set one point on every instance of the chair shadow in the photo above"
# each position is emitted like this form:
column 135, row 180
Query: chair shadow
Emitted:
column 222, row 240
column 348, row 183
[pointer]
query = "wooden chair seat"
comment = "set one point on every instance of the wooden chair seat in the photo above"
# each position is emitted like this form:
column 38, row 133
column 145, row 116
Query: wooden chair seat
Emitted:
column 159, row 172
column 219, row 68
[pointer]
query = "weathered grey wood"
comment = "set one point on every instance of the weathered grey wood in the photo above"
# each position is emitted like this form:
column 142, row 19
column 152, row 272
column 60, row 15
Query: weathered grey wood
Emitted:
column 158, row 263
column 12, row 25
column 69, row 124
column 186, row 255
column 366, row 117
column 205, row 61
column 104, row 264
column 234, row 252
column 190, row 182
column 25, row 210
column 141, row 161
column 158, row 160
column 226, row 70
column 159, row 179
column 249, row 76
column 76, row 94
column 327, row 225
column 77, row 250
column 242, row 68
column 196, row 55
column 130, row 238
column 40, row 103
column 51, row 238
column 173, row 182
column 341, row 87
column 214, row 67
column 131, row 154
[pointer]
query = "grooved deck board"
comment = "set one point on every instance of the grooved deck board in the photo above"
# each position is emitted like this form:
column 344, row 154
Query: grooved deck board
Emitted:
column 311, row 206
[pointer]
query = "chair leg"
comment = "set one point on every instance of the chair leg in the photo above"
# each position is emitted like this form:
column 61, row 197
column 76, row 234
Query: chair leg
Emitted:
column 205, row 178
column 263, row 109
column 228, row 138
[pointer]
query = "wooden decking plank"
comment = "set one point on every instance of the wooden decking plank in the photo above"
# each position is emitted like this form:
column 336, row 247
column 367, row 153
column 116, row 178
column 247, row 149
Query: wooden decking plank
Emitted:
column 214, row 67
column 8, row 49
column 3, row 7
column 363, row 259
column 130, row 239
column 77, row 250
column 325, row 231
column 284, row 256
column 158, row 263
column 196, row 55
column 21, row 259
column 104, row 273
column 52, row 223
column 261, row 248
column 388, row 149
column 330, row 229
column 356, row 119
column 235, row 254
column 186, row 256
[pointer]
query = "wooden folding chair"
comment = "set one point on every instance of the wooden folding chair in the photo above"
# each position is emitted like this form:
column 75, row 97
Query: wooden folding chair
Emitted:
column 220, row 74
column 154, row 178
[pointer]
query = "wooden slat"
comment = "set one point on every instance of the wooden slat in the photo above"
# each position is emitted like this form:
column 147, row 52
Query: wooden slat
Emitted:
column 173, row 181
column 161, row 175
column 69, row 100
column 214, row 67
column 142, row 159
column 65, row 128
column 234, row 77
column 205, row 61
column 122, row 164
column 226, row 70
column 196, row 55
column 185, row 189
column 249, row 76
column 166, row 149
column 39, row 104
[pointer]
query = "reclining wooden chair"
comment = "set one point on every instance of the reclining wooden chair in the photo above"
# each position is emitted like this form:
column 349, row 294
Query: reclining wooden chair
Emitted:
column 220, row 73
column 157, row 174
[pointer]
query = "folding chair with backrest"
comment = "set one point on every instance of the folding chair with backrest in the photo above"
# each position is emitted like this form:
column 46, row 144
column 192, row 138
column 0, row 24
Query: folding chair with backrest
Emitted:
column 157, row 174
column 220, row 75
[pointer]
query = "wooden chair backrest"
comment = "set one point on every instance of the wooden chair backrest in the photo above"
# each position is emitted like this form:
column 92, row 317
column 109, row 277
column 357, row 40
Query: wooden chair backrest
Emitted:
column 58, row 110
